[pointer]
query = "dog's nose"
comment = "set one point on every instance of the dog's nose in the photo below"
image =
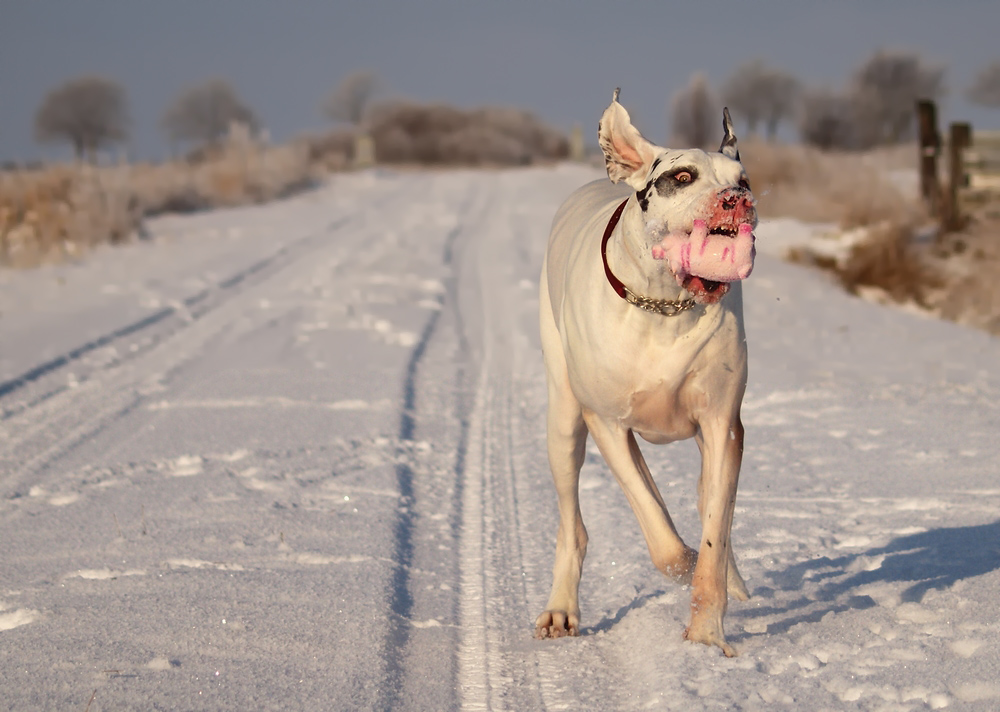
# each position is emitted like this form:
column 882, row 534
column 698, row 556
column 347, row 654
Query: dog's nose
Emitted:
column 733, row 197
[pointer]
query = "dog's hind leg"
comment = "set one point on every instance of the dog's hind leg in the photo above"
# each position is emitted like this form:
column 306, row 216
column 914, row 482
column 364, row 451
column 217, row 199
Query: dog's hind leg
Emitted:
column 567, row 440
column 621, row 451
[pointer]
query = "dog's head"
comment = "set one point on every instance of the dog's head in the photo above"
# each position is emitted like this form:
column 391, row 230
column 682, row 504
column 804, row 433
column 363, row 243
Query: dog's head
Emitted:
column 681, row 191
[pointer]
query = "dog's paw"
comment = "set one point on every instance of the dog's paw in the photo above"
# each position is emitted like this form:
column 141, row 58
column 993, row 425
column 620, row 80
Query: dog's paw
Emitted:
column 557, row 624
column 710, row 637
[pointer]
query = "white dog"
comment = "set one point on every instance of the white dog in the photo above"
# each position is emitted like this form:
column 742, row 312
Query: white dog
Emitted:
column 642, row 331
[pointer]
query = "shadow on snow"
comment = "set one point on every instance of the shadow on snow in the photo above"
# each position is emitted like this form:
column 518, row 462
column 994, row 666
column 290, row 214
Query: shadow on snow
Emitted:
column 935, row 559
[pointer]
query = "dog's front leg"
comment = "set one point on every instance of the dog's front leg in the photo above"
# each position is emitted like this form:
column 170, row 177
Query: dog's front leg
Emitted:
column 721, row 444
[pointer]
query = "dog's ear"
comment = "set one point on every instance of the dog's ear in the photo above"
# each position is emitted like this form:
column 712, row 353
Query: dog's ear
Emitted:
column 728, row 147
column 627, row 154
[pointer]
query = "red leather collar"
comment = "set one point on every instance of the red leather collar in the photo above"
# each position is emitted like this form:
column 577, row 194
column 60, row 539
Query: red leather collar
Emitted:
column 615, row 283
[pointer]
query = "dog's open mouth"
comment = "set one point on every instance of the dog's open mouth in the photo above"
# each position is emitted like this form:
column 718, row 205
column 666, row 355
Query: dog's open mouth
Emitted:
column 705, row 291
column 706, row 260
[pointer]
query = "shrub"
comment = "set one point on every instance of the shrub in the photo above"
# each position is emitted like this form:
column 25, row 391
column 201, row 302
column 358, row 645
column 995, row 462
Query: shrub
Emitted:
column 828, row 120
column 887, row 260
column 331, row 151
column 444, row 135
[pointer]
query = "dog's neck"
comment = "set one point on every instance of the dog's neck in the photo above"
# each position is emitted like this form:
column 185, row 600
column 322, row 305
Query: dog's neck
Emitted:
column 629, row 258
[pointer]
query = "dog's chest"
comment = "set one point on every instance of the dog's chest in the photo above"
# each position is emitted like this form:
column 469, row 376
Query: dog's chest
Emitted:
column 660, row 387
column 662, row 413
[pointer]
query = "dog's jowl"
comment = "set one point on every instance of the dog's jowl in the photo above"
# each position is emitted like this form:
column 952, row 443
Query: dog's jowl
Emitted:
column 642, row 332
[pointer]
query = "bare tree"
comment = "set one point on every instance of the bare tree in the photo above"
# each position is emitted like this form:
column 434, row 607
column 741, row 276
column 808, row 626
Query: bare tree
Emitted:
column 985, row 90
column 694, row 113
column 761, row 94
column 884, row 90
column 89, row 112
column 827, row 120
column 204, row 113
column 350, row 100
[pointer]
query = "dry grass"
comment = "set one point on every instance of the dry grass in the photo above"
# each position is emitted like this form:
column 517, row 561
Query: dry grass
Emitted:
column 55, row 212
column 331, row 151
column 801, row 182
column 851, row 190
column 971, row 258
column 888, row 261
column 956, row 276
column 58, row 212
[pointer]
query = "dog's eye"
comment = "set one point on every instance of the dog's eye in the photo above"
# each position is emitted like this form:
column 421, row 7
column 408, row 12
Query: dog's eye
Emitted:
column 683, row 177
column 744, row 183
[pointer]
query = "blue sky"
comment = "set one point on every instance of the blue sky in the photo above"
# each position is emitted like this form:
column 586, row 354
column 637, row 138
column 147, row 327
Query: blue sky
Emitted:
column 558, row 58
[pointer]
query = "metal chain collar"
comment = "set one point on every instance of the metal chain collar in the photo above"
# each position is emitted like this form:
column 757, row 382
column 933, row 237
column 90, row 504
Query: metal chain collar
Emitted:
column 666, row 307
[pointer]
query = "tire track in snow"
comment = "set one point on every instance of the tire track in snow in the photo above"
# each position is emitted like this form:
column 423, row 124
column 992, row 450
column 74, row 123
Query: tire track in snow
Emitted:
column 64, row 408
column 492, row 675
column 184, row 312
column 401, row 599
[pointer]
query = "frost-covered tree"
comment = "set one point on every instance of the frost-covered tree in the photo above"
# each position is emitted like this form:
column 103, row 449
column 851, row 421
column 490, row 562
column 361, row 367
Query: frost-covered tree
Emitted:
column 203, row 114
column 694, row 113
column 884, row 90
column 761, row 95
column 89, row 112
column 350, row 100
column 985, row 90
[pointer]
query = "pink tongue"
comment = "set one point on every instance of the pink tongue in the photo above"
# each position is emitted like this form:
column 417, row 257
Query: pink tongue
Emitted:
column 719, row 258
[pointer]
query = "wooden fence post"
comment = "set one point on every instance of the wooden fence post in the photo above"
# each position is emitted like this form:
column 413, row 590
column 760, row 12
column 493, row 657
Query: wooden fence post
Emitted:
column 930, row 144
column 959, row 137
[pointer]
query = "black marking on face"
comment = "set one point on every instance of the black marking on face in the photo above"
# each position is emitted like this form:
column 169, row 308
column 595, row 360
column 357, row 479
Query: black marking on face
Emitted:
column 643, row 196
column 674, row 180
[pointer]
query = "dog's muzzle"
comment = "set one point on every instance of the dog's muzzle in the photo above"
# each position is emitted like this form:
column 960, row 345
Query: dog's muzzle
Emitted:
column 716, row 251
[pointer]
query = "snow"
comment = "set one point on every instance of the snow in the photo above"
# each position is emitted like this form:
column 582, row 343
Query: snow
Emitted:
column 292, row 456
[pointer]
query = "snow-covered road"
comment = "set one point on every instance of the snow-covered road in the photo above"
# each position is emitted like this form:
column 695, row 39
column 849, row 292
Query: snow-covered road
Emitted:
column 292, row 457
